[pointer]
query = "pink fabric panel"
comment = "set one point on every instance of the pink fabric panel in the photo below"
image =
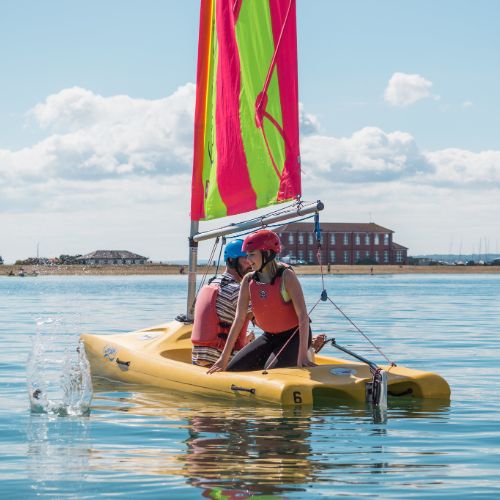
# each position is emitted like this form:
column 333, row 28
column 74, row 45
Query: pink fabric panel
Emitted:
column 233, row 179
column 287, row 68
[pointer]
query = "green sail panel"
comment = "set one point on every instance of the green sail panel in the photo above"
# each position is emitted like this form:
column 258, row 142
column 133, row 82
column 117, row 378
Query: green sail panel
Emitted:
column 246, row 143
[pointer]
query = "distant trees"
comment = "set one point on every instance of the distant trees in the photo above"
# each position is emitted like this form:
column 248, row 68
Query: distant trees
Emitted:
column 44, row 261
column 69, row 259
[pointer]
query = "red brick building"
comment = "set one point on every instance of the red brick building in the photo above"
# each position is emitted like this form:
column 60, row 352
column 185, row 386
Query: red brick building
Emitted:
column 342, row 243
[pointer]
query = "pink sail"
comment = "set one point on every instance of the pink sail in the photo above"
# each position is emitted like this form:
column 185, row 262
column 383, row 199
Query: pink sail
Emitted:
column 246, row 141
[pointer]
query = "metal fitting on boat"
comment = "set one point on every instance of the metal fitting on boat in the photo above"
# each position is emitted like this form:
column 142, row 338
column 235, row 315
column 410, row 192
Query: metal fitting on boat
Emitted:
column 376, row 390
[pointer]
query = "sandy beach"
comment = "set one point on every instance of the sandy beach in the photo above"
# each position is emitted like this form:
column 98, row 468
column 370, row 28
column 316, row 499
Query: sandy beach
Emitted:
column 160, row 269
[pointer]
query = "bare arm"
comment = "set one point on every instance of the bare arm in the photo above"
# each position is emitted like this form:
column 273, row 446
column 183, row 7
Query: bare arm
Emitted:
column 239, row 319
column 294, row 289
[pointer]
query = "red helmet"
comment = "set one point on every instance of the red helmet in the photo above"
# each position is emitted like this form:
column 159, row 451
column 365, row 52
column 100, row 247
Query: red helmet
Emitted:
column 263, row 239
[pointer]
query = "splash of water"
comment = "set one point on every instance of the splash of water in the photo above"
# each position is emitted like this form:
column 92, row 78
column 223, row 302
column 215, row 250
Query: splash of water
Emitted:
column 59, row 380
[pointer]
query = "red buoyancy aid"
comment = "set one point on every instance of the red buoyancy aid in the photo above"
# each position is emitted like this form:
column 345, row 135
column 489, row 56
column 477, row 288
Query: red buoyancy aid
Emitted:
column 271, row 312
column 208, row 330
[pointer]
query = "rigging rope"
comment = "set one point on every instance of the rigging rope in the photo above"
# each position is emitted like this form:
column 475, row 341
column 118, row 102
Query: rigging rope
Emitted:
column 210, row 258
column 323, row 298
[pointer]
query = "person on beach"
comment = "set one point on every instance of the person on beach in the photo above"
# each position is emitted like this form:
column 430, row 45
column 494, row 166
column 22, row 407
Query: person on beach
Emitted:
column 215, row 309
column 279, row 309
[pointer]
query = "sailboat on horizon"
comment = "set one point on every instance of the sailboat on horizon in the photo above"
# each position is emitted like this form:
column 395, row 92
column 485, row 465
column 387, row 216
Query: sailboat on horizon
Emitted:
column 247, row 157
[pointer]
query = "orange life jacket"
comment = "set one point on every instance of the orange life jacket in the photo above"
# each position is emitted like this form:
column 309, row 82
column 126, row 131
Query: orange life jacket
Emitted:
column 208, row 329
column 272, row 313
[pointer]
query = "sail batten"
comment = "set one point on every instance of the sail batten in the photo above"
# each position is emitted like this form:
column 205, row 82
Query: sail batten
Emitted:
column 246, row 145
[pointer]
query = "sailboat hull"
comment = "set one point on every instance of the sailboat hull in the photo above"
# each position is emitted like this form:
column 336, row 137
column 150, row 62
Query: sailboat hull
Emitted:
column 161, row 357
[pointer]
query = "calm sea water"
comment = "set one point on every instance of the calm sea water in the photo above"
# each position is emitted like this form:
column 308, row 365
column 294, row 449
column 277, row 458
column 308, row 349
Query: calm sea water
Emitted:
column 143, row 442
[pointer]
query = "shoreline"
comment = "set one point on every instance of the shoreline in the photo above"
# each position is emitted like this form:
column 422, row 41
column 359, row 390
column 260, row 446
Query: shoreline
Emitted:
column 171, row 269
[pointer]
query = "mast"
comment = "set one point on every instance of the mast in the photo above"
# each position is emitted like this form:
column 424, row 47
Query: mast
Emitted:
column 192, row 267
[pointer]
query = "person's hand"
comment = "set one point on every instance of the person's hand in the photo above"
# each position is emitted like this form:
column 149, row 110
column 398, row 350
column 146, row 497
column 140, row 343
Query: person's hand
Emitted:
column 318, row 342
column 304, row 362
column 219, row 366
column 250, row 337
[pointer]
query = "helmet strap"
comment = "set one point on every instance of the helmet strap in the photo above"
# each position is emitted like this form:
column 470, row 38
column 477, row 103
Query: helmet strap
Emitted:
column 267, row 256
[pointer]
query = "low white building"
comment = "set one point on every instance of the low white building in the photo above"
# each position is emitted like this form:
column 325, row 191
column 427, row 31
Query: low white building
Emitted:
column 112, row 257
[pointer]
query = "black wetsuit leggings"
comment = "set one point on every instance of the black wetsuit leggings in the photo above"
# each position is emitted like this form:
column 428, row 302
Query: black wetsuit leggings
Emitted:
column 255, row 355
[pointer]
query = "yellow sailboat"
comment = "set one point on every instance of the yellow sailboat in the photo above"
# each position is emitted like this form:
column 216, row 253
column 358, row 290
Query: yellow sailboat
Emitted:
column 246, row 157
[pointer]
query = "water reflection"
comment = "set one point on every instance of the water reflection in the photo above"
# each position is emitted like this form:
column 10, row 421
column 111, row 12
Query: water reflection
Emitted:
column 235, row 450
column 58, row 452
column 254, row 453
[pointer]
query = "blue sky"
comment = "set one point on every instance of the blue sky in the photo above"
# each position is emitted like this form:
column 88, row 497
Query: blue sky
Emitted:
column 401, row 120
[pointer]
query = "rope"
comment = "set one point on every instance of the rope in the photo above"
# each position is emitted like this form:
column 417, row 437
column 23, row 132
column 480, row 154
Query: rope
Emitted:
column 317, row 231
column 262, row 99
column 223, row 243
column 275, row 359
column 273, row 226
column 210, row 258
column 323, row 298
column 363, row 334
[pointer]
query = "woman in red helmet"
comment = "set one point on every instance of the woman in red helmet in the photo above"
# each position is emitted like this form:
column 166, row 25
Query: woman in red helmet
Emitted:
column 279, row 309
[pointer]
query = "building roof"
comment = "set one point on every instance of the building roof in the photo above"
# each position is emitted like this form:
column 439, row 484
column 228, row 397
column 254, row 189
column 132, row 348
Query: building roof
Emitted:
column 397, row 246
column 112, row 254
column 337, row 227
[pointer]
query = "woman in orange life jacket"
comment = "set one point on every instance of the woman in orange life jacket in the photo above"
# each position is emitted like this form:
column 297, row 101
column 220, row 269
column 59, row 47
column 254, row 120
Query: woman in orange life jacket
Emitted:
column 279, row 309
column 215, row 309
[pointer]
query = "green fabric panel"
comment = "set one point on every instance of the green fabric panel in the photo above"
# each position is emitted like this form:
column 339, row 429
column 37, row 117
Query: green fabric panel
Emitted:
column 214, row 206
column 256, row 49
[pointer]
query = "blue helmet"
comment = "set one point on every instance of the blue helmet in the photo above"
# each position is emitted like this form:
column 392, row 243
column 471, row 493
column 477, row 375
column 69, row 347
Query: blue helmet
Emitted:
column 233, row 250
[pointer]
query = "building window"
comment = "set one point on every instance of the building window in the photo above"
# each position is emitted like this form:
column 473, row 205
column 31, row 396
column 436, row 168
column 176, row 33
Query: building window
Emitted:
column 332, row 238
column 300, row 253
column 367, row 239
column 386, row 240
column 377, row 258
column 375, row 239
column 358, row 256
column 301, row 238
column 358, row 239
column 290, row 238
column 346, row 238
column 399, row 256
column 367, row 254
column 332, row 256
column 311, row 256
column 386, row 256
column 310, row 239
column 346, row 256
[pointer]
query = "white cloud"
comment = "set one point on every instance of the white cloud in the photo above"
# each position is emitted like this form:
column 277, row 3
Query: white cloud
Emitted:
column 404, row 89
column 309, row 123
column 95, row 137
column 458, row 167
column 467, row 104
column 369, row 155
column 118, row 167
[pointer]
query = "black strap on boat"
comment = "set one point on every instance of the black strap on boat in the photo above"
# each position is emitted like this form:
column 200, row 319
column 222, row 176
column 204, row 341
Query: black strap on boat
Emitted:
column 242, row 389
column 407, row 392
column 122, row 363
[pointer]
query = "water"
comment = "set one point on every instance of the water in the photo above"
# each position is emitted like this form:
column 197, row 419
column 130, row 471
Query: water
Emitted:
column 131, row 441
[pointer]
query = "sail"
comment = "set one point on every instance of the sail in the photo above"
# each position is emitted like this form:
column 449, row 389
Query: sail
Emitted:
column 246, row 137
